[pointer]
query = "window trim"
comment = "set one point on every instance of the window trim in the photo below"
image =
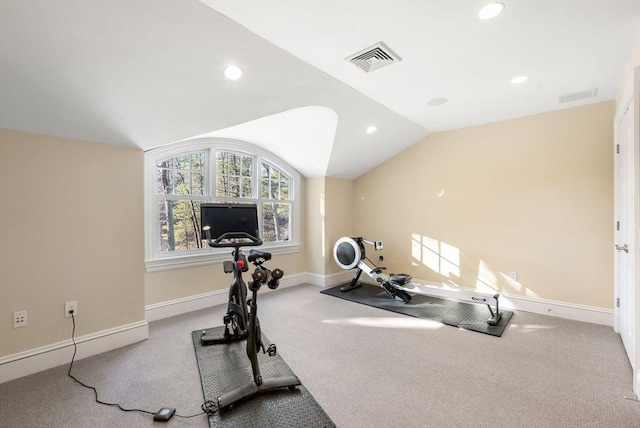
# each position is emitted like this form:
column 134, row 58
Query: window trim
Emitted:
column 157, row 261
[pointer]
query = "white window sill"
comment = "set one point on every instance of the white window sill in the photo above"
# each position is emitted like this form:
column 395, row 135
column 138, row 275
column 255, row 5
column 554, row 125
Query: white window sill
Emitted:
column 214, row 256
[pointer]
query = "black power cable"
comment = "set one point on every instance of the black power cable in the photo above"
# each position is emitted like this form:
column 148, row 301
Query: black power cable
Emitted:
column 208, row 407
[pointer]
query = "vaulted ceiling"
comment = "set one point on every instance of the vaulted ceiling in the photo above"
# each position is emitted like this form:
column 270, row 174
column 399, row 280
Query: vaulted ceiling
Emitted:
column 149, row 73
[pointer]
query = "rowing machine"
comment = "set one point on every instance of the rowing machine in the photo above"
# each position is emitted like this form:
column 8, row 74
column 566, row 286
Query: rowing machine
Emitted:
column 349, row 252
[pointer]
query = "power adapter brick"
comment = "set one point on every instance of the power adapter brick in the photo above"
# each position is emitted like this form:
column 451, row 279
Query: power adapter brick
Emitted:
column 164, row 414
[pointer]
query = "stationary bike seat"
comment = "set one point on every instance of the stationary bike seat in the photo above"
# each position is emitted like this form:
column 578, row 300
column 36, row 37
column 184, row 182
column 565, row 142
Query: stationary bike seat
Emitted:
column 257, row 254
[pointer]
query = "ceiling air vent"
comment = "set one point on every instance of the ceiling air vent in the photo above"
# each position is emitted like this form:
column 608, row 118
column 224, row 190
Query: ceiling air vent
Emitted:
column 578, row 96
column 373, row 57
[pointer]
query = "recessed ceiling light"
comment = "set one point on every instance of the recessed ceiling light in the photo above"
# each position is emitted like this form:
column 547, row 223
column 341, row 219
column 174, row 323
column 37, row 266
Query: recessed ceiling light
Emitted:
column 371, row 129
column 491, row 10
column 437, row 102
column 519, row 79
column 233, row 72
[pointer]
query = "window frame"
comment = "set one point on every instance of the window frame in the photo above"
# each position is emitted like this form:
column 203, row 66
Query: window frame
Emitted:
column 155, row 259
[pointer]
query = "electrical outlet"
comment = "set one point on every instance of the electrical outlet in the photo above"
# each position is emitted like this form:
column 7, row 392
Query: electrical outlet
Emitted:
column 513, row 275
column 19, row 319
column 70, row 306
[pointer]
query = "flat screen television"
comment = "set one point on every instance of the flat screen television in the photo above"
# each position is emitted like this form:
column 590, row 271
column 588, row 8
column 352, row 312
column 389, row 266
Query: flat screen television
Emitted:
column 229, row 218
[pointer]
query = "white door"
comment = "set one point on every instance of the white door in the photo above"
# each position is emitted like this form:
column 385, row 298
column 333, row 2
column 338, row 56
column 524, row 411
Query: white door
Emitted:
column 625, row 293
column 626, row 227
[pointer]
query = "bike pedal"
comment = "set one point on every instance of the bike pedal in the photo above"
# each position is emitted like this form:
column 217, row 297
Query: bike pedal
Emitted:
column 271, row 350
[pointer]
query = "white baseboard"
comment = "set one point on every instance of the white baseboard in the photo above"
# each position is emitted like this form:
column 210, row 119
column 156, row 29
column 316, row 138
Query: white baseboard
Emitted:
column 570, row 311
column 540, row 306
column 171, row 308
column 183, row 305
column 45, row 357
column 330, row 280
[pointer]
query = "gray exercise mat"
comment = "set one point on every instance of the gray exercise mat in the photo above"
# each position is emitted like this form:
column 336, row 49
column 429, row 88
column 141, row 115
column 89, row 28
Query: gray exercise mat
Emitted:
column 468, row 316
column 224, row 367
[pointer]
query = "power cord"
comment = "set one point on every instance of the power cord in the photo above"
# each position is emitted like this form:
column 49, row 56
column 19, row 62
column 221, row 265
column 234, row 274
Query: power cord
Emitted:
column 208, row 407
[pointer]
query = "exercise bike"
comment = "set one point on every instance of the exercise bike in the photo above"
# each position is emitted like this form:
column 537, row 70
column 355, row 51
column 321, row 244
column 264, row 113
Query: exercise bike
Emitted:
column 349, row 253
column 236, row 226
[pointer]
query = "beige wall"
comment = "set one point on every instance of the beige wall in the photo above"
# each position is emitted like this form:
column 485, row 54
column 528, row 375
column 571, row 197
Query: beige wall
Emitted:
column 531, row 195
column 314, row 213
column 328, row 216
column 71, row 228
column 339, row 215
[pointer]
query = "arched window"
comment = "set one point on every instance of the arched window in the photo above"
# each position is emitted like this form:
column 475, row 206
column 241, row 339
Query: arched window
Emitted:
column 180, row 177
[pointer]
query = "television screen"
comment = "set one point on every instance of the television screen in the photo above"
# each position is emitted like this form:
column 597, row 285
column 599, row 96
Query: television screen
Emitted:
column 229, row 218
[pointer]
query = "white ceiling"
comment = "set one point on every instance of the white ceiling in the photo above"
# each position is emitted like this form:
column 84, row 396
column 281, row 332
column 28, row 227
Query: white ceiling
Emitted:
column 148, row 73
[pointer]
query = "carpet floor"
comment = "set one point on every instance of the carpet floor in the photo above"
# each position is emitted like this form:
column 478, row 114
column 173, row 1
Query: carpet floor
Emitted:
column 365, row 367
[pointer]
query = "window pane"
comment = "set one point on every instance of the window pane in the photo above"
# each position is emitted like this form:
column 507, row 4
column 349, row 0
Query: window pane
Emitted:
column 168, row 163
column 183, row 162
column 273, row 184
column 222, row 187
column 197, row 184
column 222, row 163
column 284, row 187
column 234, row 187
column 174, row 175
column 234, row 164
column 234, row 178
column 197, row 162
column 164, row 182
column 268, row 223
column 247, row 166
column 246, row 187
column 275, row 222
column 182, row 180
column 275, row 192
column 179, row 225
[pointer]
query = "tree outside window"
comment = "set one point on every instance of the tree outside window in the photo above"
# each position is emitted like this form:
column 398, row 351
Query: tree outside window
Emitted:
column 185, row 180
column 276, row 206
column 181, row 184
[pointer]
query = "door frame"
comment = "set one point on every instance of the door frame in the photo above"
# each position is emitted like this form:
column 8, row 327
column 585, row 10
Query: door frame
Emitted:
column 631, row 95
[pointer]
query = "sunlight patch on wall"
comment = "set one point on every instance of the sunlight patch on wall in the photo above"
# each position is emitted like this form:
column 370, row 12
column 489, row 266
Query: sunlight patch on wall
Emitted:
column 438, row 256
column 517, row 286
column 487, row 281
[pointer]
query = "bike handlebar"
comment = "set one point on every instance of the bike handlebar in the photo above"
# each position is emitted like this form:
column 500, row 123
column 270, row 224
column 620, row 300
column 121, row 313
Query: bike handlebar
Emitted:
column 217, row 243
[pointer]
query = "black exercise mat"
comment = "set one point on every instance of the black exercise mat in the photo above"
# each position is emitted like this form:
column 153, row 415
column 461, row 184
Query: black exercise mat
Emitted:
column 225, row 367
column 468, row 316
